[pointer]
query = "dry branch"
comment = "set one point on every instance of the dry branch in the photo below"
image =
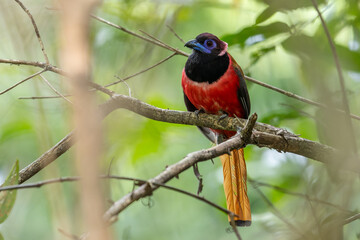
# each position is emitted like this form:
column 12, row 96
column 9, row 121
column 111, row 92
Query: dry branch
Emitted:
column 54, row 89
column 22, row 81
column 35, row 29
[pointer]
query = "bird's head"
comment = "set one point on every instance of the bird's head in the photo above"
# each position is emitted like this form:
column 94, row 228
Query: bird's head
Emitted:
column 208, row 43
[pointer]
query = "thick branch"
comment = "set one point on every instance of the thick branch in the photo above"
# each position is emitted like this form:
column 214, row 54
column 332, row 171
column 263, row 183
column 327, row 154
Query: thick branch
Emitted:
column 264, row 136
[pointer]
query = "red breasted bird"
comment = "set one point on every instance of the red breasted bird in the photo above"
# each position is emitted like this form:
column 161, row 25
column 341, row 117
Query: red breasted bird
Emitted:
column 214, row 83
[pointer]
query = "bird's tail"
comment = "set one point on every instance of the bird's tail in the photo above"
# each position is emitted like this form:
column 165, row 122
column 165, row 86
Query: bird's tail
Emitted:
column 234, row 169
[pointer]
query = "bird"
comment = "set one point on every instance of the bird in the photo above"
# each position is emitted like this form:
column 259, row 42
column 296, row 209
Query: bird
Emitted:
column 214, row 83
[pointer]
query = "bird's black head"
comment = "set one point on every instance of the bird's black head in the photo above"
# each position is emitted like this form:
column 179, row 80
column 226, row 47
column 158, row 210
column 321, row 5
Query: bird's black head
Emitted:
column 208, row 43
column 209, row 60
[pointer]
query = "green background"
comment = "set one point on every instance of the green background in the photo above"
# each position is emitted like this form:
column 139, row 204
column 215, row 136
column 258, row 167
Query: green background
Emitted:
column 281, row 43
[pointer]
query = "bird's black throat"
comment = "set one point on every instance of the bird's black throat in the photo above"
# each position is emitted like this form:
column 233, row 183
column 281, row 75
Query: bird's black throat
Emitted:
column 209, row 68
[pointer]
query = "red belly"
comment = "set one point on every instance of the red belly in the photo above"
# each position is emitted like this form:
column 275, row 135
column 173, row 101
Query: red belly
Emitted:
column 217, row 97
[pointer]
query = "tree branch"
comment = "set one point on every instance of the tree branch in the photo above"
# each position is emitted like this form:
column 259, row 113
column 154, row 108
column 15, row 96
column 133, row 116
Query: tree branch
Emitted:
column 54, row 89
column 264, row 135
column 174, row 170
column 22, row 81
column 137, row 181
column 35, row 29
column 352, row 218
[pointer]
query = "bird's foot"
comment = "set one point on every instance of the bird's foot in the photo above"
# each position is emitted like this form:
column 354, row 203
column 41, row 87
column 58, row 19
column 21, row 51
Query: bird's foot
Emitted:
column 223, row 115
column 198, row 111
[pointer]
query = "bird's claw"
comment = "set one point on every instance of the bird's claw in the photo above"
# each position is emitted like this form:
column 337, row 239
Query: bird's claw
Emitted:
column 223, row 115
column 198, row 111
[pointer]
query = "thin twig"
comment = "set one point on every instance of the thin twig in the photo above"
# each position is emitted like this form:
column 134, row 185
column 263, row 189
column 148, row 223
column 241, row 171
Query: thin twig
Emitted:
column 43, row 97
column 110, row 84
column 125, row 83
column 297, row 97
column 340, row 74
column 352, row 218
column 142, row 71
column 36, row 30
column 176, row 35
column 158, row 43
column 137, row 181
column 54, row 89
column 233, row 225
column 22, row 81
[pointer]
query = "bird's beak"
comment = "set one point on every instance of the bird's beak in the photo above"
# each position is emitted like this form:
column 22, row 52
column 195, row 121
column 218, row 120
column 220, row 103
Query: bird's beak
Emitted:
column 192, row 44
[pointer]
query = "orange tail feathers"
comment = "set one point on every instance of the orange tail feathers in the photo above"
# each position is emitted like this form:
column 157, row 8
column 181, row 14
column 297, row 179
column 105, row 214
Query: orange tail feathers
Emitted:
column 235, row 176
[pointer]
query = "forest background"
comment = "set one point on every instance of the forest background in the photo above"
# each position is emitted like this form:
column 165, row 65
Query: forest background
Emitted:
column 281, row 43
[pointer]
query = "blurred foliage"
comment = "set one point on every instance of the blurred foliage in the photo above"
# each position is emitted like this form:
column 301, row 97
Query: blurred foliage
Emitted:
column 7, row 198
column 278, row 42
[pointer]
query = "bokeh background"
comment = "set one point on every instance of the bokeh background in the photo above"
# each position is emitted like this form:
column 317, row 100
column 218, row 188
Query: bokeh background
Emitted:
column 281, row 43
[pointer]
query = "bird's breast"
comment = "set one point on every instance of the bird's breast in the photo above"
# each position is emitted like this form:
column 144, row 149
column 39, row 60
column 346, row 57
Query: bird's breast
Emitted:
column 216, row 97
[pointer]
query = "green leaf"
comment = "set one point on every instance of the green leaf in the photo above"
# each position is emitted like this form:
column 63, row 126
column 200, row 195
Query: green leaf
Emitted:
column 1, row 237
column 7, row 198
column 262, row 32
column 265, row 15
column 282, row 6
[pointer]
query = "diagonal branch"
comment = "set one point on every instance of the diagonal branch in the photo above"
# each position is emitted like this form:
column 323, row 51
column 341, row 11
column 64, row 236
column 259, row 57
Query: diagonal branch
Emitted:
column 172, row 171
column 142, row 71
column 22, row 81
column 352, row 218
column 36, row 30
column 54, row 89
column 158, row 43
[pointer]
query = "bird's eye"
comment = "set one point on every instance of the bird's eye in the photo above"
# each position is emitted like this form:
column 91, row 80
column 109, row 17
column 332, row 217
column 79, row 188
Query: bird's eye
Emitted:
column 210, row 44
